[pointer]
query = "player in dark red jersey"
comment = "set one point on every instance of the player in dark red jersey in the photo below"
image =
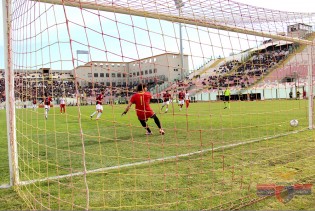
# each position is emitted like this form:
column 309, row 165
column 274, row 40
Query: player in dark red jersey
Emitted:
column 47, row 101
column 166, row 101
column 142, row 101
column 34, row 103
column 99, row 107
column 181, row 98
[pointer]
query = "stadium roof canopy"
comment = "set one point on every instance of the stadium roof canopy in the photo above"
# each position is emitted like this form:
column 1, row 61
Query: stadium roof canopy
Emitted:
column 272, row 43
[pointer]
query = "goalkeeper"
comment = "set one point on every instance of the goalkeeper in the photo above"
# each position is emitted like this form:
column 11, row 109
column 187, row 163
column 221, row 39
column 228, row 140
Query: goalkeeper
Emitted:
column 144, row 112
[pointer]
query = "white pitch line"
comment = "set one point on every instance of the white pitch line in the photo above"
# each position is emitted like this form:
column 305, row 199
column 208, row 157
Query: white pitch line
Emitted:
column 152, row 161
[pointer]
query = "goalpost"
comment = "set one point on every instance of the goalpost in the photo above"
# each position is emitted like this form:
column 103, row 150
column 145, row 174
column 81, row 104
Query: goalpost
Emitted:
column 10, row 104
column 216, row 153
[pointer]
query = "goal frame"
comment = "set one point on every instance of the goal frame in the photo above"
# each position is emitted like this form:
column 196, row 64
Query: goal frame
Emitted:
column 180, row 18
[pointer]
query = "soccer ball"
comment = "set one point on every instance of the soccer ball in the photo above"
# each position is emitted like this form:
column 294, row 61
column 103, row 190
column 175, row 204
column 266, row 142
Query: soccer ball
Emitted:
column 294, row 122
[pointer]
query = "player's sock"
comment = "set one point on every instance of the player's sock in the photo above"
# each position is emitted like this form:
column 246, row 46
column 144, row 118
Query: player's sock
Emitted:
column 166, row 110
column 144, row 124
column 93, row 114
column 157, row 121
column 98, row 115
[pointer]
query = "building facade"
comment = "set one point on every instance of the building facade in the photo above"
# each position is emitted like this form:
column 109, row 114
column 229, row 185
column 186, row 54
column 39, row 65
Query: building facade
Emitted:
column 160, row 68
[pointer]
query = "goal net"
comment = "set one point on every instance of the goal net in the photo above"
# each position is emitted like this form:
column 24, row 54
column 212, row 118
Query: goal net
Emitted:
column 225, row 78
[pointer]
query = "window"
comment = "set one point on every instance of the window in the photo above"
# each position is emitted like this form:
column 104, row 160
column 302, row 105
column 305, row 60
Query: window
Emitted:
column 102, row 75
column 107, row 83
column 134, row 74
column 155, row 70
column 176, row 70
column 146, row 72
column 89, row 75
column 118, row 75
column 150, row 71
column 137, row 73
column 107, row 75
column 95, row 74
column 113, row 75
column 141, row 72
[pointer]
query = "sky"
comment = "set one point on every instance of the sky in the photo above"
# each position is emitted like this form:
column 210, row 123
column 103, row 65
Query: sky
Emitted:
column 285, row 5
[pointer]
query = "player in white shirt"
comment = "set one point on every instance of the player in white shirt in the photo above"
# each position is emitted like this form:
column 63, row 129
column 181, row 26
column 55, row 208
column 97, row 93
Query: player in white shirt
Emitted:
column 187, row 99
column 63, row 104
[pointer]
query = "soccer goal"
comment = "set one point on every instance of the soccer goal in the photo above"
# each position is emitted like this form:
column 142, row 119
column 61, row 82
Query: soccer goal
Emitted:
column 231, row 88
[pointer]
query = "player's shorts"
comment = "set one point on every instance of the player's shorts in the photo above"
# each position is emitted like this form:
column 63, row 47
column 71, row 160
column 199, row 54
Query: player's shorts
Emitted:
column 34, row 105
column 181, row 102
column 62, row 105
column 166, row 102
column 145, row 115
column 226, row 98
column 47, row 107
column 99, row 107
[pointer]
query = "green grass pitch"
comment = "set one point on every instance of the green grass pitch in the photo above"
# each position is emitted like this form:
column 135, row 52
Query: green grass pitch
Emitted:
column 209, row 158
